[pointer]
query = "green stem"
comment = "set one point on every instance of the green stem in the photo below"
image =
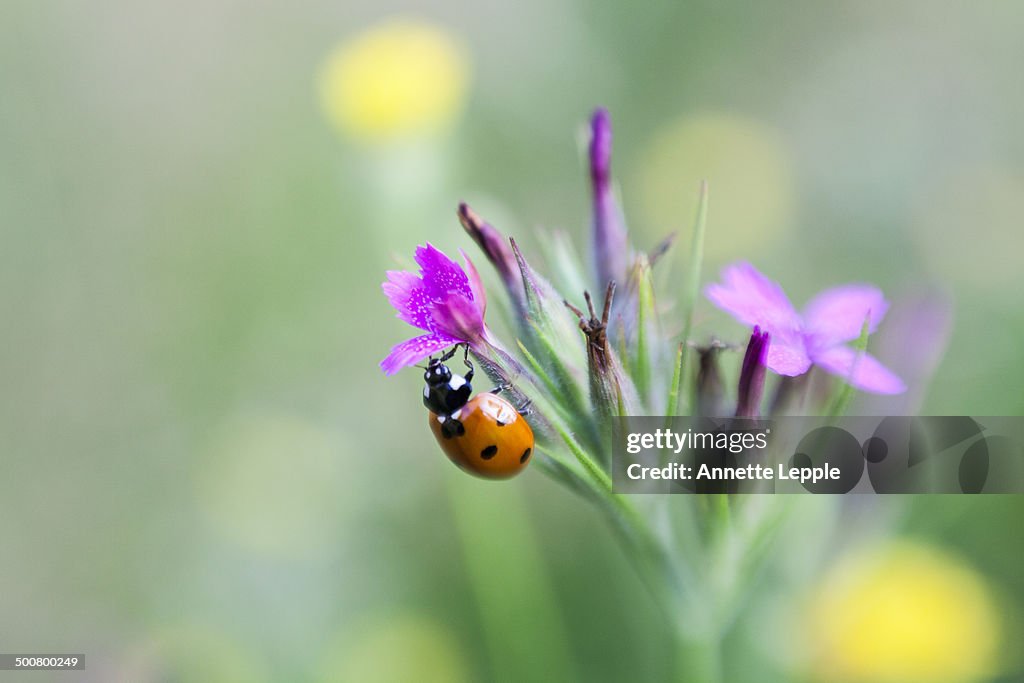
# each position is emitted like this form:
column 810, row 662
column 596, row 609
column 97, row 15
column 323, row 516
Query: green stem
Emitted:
column 662, row 575
column 699, row 659
column 721, row 516
column 525, row 593
column 845, row 394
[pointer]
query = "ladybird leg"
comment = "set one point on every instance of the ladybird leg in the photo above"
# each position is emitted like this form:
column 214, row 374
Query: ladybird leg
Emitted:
column 451, row 428
column 447, row 356
column 469, row 364
column 526, row 408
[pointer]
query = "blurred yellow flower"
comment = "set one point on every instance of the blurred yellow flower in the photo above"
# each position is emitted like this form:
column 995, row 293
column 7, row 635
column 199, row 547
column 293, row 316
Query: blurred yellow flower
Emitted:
column 906, row 614
column 403, row 77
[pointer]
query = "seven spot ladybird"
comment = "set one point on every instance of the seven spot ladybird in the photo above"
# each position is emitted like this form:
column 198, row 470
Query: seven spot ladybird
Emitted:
column 484, row 434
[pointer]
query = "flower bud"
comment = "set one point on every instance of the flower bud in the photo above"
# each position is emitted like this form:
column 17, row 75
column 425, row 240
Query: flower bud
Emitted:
column 496, row 247
column 611, row 247
column 752, row 375
column 611, row 392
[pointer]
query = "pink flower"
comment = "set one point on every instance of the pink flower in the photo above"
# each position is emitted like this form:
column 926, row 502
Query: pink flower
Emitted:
column 442, row 300
column 817, row 336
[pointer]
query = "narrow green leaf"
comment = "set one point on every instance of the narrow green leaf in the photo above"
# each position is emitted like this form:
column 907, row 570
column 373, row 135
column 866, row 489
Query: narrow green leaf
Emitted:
column 535, row 365
column 550, row 385
column 599, row 476
column 571, row 477
column 568, row 271
column 568, row 391
column 568, row 387
column 622, row 349
column 645, row 323
column 692, row 287
column 677, row 376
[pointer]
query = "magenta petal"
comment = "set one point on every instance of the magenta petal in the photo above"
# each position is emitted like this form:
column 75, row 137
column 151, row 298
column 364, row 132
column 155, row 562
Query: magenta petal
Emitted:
column 476, row 285
column 837, row 315
column 406, row 294
column 753, row 299
column 458, row 317
column 441, row 275
column 414, row 350
column 868, row 374
column 787, row 359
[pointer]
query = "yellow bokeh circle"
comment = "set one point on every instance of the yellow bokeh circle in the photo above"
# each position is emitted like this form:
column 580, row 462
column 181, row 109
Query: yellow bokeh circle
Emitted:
column 904, row 614
column 403, row 77
column 749, row 171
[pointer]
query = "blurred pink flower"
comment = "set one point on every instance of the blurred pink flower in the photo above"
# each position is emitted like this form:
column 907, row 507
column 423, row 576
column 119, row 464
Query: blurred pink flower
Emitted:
column 817, row 336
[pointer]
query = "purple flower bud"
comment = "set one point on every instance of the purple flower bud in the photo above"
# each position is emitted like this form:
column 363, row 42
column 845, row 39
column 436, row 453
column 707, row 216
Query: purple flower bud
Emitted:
column 600, row 147
column 611, row 247
column 496, row 247
column 752, row 375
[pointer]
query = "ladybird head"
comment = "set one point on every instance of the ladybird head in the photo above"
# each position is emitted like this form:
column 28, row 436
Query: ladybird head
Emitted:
column 437, row 373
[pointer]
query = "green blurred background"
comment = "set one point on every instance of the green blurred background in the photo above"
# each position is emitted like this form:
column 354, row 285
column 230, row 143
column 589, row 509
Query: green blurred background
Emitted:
column 203, row 473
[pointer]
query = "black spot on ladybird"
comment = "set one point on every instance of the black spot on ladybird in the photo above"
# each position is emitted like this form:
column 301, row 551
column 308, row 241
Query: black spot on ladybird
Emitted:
column 489, row 452
column 525, row 456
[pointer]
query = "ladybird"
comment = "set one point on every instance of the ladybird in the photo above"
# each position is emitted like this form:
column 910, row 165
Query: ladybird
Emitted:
column 484, row 435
